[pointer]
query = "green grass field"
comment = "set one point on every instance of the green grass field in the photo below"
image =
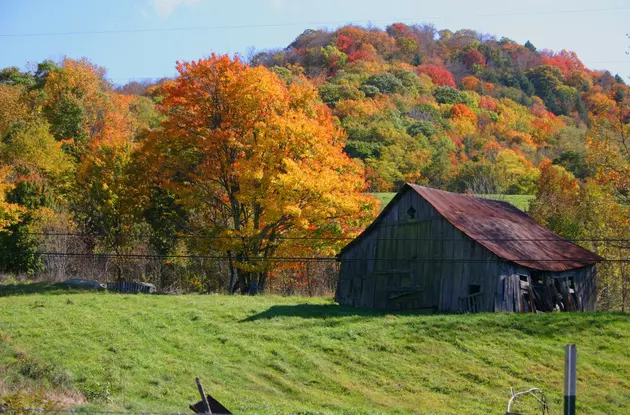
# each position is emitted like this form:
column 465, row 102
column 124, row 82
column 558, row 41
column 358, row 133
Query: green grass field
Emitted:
column 275, row 355
column 520, row 201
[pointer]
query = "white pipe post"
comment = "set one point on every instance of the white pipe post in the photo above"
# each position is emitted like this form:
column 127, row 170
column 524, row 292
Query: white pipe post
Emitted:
column 570, row 359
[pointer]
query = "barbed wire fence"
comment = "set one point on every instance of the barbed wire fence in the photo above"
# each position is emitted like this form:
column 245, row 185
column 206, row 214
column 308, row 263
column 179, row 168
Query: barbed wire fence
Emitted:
column 70, row 255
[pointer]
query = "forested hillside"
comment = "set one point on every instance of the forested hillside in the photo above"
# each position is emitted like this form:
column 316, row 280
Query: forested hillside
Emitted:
column 462, row 110
column 128, row 173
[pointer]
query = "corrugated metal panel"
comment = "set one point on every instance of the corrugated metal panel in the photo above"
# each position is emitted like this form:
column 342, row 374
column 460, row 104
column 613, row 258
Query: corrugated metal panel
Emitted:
column 501, row 228
column 507, row 232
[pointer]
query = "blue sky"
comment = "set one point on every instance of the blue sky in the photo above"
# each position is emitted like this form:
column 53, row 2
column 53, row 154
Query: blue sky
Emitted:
column 595, row 30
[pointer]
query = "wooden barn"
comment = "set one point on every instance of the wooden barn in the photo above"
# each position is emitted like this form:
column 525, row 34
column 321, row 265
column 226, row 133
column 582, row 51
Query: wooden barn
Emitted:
column 431, row 249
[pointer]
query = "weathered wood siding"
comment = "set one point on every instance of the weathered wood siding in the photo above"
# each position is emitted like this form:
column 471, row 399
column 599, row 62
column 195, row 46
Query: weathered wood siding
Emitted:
column 425, row 262
column 416, row 263
column 509, row 296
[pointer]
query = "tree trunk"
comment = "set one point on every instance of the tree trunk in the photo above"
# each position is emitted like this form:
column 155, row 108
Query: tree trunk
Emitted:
column 309, row 282
column 624, row 288
column 231, row 284
column 243, row 277
column 262, row 281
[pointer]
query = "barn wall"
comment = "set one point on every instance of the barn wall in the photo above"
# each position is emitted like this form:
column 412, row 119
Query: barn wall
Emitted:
column 419, row 262
column 509, row 295
column 584, row 286
column 588, row 290
column 384, row 258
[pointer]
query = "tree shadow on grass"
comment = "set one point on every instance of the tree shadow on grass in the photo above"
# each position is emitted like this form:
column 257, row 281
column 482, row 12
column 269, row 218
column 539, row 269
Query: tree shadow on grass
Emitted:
column 31, row 288
column 324, row 311
column 548, row 325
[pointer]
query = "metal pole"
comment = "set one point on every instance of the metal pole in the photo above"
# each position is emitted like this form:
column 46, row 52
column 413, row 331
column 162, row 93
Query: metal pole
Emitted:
column 570, row 359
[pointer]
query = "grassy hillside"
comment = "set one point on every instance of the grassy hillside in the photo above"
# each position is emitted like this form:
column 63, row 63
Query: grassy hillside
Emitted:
column 273, row 355
column 520, row 201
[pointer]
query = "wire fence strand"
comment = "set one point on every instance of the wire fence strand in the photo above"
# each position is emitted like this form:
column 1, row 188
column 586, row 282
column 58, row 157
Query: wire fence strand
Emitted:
column 299, row 24
column 315, row 238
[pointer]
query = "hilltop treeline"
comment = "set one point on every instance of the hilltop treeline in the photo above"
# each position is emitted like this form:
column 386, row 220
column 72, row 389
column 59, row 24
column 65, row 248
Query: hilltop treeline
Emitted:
column 461, row 111
column 135, row 170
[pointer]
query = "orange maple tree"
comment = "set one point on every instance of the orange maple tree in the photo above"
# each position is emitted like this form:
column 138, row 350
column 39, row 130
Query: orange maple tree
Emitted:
column 259, row 161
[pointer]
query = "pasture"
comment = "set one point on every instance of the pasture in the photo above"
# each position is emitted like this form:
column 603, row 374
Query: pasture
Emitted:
column 520, row 201
column 281, row 355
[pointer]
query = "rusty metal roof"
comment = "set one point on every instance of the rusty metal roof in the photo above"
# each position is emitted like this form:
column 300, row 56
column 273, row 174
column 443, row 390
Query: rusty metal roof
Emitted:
column 504, row 230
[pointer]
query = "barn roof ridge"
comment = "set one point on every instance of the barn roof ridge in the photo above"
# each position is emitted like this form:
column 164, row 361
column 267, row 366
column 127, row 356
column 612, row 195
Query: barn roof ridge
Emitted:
column 500, row 227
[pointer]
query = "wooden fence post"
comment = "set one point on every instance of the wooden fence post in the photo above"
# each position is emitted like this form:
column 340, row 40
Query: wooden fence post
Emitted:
column 570, row 359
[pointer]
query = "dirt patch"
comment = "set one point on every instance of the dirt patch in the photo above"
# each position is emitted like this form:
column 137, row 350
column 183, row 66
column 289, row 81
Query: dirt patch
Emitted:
column 51, row 398
column 66, row 399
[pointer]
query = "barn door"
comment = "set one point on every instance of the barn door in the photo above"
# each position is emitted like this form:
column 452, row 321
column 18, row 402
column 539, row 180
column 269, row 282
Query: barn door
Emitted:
column 397, row 284
column 399, row 290
column 404, row 290
column 367, row 291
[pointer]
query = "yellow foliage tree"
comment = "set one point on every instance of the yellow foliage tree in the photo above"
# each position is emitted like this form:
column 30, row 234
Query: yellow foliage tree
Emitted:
column 260, row 162
column 9, row 212
column 13, row 107
column 33, row 151
column 519, row 176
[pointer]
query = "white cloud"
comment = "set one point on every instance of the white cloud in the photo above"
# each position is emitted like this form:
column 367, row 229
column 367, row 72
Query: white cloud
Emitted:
column 165, row 8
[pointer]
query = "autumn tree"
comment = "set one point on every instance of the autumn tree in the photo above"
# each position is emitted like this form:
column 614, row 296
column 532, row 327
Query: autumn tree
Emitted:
column 438, row 74
column 259, row 161
column 555, row 205
column 591, row 215
column 62, row 110
column 9, row 212
column 37, row 171
column 75, row 103
column 608, row 143
column 470, row 83
column 102, row 198
column 13, row 107
column 605, row 227
column 103, row 194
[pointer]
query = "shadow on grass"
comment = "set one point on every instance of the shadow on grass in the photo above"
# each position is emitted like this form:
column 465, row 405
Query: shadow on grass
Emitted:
column 32, row 288
column 548, row 325
column 324, row 311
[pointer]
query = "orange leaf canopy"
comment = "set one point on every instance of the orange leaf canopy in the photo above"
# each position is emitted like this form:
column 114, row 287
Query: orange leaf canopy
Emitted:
column 258, row 159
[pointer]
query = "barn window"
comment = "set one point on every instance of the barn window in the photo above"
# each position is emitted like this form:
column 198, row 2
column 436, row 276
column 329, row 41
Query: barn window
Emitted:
column 474, row 289
column 411, row 212
column 405, row 280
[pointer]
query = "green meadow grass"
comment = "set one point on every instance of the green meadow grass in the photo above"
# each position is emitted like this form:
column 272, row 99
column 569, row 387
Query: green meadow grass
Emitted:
column 520, row 201
column 282, row 355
